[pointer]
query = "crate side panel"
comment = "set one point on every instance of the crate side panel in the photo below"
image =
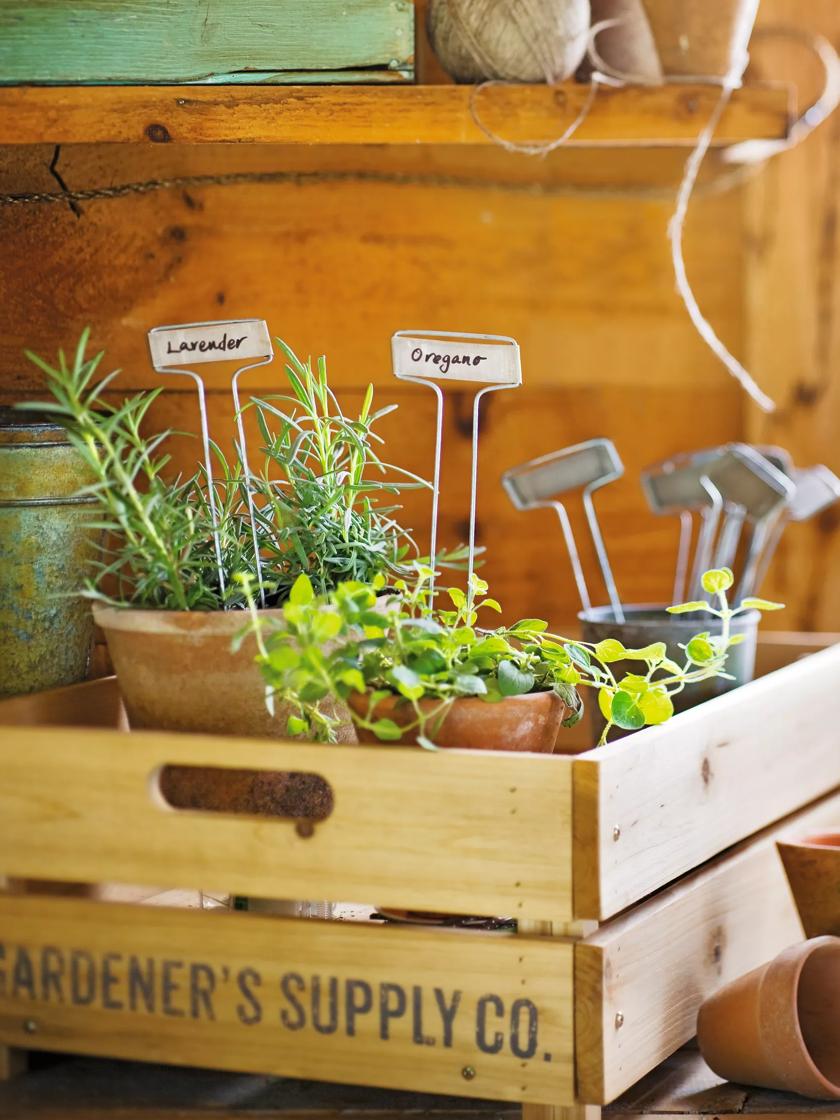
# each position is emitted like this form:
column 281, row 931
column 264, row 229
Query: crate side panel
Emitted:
column 666, row 800
column 641, row 978
column 383, row 1006
column 100, row 41
column 461, row 831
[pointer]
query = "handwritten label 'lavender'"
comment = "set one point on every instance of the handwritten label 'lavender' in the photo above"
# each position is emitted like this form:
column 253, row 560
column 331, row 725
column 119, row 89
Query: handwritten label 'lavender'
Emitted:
column 235, row 340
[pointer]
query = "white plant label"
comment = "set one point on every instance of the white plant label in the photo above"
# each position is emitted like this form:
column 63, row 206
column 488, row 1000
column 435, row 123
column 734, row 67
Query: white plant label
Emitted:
column 209, row 342
column 465, row 358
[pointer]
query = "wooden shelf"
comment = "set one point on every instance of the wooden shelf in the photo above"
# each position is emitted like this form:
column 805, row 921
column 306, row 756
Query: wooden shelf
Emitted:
column 665, row 116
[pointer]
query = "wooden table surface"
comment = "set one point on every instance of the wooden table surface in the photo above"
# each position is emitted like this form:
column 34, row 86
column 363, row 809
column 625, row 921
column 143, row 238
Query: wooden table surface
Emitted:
column 60, row 1088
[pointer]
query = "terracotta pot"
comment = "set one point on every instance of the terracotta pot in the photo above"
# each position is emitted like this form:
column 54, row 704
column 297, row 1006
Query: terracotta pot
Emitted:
column 813, row 870
column 779, row 1026
column 177, row 672
column 519, row 723
column 701, row 38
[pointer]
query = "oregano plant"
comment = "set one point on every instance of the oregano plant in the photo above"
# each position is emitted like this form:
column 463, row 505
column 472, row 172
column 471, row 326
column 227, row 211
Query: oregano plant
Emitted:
column 365, row 642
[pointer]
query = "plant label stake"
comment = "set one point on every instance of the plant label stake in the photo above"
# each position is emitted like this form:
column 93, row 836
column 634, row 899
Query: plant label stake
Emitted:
column 680, row 486
column 753, row 490
column 433, row 357
column 540, row 482
column 229, row 340
column 817, row 488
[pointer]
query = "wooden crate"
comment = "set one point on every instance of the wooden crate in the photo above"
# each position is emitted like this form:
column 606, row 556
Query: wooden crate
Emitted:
column 219, row 41
column 575, row 1007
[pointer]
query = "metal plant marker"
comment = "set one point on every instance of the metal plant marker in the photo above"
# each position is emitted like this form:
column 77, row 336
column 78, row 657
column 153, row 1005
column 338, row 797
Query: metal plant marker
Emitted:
column 816, row 488
column 540, row 482
column 681, row 486
column 433, row 357
column 174, row 347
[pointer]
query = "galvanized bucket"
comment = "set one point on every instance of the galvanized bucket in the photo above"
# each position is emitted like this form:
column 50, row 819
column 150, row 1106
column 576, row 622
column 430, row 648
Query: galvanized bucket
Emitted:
column 45, row 554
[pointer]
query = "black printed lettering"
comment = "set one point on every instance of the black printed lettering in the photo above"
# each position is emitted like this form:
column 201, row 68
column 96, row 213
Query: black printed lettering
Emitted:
column 249, row 1012
column 82, row 978
column 141, row 984
column 52, row 974
column 109, row 980
column 358, row 1000
column 390, row 1008
column 23, row 975
column 202, row 986
column 481, row 1025
column 287, row 982
column 417, row 1036
column 331, row 1025
column 169, row 986
column 528, row 1047
column 447, row 1012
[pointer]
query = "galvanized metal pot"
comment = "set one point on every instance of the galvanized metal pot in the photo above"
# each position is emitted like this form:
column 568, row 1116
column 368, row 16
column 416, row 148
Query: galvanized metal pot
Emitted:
column 648, row 623
column 45, row 553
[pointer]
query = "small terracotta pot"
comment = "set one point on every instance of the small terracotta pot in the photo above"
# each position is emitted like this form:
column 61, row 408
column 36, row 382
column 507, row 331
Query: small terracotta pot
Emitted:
column 178, row 672
column 813, row 870
column 519, row 723
column 701, row 38
column 778, row 1027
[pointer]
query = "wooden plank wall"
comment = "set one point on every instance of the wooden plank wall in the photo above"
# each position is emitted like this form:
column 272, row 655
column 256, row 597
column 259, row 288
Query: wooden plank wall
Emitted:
column 580, row 276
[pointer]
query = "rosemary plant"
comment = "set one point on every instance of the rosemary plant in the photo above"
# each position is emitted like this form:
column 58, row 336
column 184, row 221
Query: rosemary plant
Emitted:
column 318, row 501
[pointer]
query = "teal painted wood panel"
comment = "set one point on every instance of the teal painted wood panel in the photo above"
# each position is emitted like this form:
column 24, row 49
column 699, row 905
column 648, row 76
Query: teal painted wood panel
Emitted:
column 176, row 41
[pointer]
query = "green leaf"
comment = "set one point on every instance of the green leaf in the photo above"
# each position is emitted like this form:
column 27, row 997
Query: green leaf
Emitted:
column 387, row 730
column 579, row 655
column 686, row 608
column 656, row 706
column 626, row 712
column 700, row 650
column 610, row 649
column 296, row 726
column 302, row 592
column 353, row 679
column 512, row 680
column 469, row 684
column 574, row 704
column 478, row 586
column 531, row 624
column 568, row 674
column 717, row 579
column 656, row 651
column 463, row 636
column 761, row 605
column 457, row 596
column 736, row 639
column 407, row 682
column 493, row 604
column 634, row 684
column 326, row 625
column 605, row 699
column 283, row 658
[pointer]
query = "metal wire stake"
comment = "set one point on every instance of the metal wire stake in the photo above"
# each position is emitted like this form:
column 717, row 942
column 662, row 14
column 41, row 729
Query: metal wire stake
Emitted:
column 600, row 548
column 574, row 555
column 243, row 458
column 474, row 475
column 683, row 552
column 706, row 536
column 205, row 443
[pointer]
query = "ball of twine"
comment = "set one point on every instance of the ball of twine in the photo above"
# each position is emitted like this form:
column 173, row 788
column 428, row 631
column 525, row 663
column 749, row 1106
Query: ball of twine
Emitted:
column 509, row 40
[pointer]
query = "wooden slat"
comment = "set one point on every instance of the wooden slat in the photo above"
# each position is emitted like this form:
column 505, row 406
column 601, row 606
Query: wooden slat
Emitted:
column 511, row 1029
column 387, row 115
column 777, row 648
column 216, row 41
column 640, row 979
column 653, row 806
column 90, row 704
column 469, row 832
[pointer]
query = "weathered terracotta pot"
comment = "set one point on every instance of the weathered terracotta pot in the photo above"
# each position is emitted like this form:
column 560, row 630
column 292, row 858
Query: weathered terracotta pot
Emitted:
column 813, row 870
column 177, row 672
column 519, row 723
column 779, row 1026
column 701, row 38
